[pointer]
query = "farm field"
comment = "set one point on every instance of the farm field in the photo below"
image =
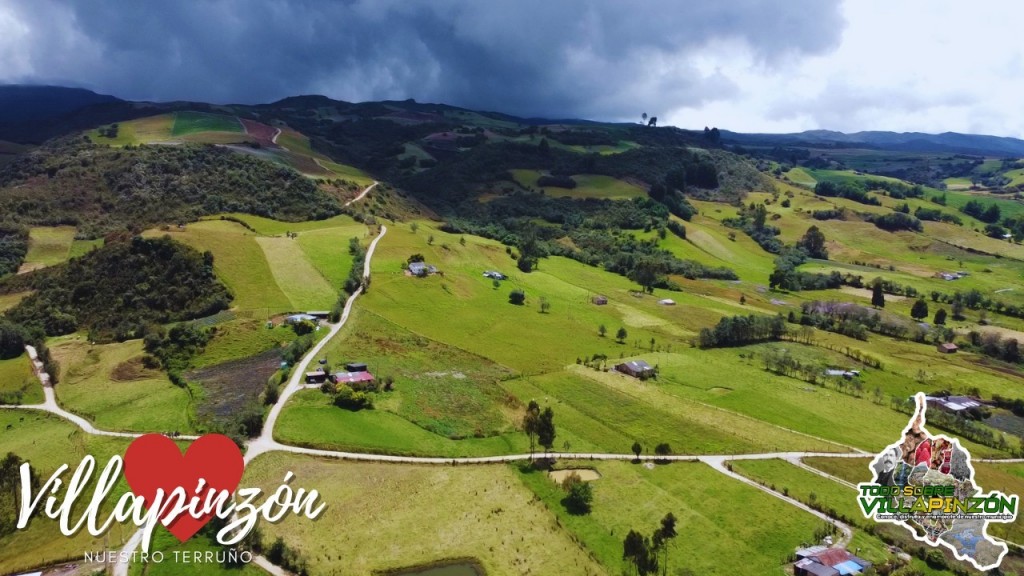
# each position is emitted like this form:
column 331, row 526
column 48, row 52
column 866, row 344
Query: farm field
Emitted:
column 725, row 527
column 48, row 246
column 295, row 274
column 48, row 442
column 423, row 514
column 587, row 186
column 18, row 380
column 108, row 385
column 189, row 122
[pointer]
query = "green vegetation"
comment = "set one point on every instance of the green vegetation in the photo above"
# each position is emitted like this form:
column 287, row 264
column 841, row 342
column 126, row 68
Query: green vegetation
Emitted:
column 182, row 184
column 48, row 246
column 190, row 122
column 116, row 290
column 18, row 384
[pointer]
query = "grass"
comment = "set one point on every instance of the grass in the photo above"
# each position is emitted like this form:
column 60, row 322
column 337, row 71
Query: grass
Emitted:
column 189, row 122
column 108, row 385
column 587, row 186
column 295, row 275
column 8, row 301
column 139, row 131
column 801, row 176
column 48, row 442
column 242, row 338
column 173, row 549
column 725, row 527
column 327, row 250
column 269, row 227
column 82, row 247
column 393, row 516
column 48, row 246
column 16, row 376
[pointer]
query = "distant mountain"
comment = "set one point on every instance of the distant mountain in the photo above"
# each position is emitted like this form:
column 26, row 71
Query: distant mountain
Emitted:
column 947, row 142
column 21, row 103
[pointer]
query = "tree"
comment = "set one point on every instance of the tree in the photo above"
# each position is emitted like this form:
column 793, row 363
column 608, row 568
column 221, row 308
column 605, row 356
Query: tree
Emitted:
column 414, row 227
column 546, row 429
column 877, row 297
column 602, row 330
column 544, row 305
column 579, row 494
column 637, row 448
column 621, row 335
column 531, row 423
column 430, row 240
column 663, row 449
column 958, row 310
column 462, row 240
column 517, row 297
column 666, row 532
column 638, row 550
column 813, row 242
column 940, row 317
column 919, row 310
column 12, row 341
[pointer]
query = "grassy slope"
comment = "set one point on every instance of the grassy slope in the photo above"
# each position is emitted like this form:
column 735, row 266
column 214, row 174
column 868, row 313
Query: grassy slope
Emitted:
column 295, row 275
column 191, row 122
column 725, row 527
column 392, row 516
column 48, row 442
column 16, row 375
column 48, row 246
column 587, row 186
column 146, row 403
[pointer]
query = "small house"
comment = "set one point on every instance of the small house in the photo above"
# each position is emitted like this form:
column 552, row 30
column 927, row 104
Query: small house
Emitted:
column 953, row 404
column 352, row 377
column 667, row 302
column 600, row 300
column 808, row 567
column 320, row 314
column 947, row 348
column 316, row 377
column 494, row 274
column 356, row 366
column 635, row 368
column 421, row 269
column 296, row 318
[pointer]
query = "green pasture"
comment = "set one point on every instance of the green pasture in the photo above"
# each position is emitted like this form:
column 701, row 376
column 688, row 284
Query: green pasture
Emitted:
column 190, row 122
column 48, row 245
column 800, row 176
column 295, row 274
column 391, row 516
column 204, row 541
column 8, row 301
column 243, row 338
column 238, row 261
column 587, row 186
column 48, row 442
column 16, row 376
column 139, row 131
column 107, row 384
column 82, row 247
column 724, row 526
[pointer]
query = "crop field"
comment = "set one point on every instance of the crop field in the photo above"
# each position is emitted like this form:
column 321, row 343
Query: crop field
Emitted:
column 48, row 246
column 190, row 122
column 385, row 516
column 263, row 133
column 238, row 261
column 295, row 274
column 229, row 386
column 587, row 186
column 48, row 442
column 8, row 301
column 139, row 131
column 107, row 384
column 725, row 526
column 327, row 251
column 16, row 376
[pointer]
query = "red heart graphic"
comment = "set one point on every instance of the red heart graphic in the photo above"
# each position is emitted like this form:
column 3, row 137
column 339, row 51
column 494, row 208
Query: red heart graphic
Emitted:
column 154, row 462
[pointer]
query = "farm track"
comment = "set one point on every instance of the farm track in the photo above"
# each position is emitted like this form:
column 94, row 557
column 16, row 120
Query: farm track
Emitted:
column 266, row 443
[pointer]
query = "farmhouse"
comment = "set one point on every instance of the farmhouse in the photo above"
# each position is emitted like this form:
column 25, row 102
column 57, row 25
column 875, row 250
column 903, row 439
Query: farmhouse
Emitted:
column 351, row 377
column 600, row 300
column 667, row 302
column 356, row 367
column 494, row 275
column 316, row 377
column 296, row 318
column 421, row 269
column 829, row 562
column 635, row 368
column 847, row 374
column 947, row 348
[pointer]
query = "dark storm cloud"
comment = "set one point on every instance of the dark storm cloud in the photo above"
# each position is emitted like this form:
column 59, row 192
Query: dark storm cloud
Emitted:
column 544, row 57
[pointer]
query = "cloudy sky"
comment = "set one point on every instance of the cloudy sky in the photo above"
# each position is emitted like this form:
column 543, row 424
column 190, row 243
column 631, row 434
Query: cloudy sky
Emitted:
column 746, row 65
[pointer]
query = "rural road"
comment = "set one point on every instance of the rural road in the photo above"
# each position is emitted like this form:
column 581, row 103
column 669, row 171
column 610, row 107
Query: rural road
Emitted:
column 358, row 198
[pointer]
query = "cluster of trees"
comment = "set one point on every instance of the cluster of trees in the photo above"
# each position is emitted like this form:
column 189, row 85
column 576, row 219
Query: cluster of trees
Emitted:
column 174, row 349
column 830, row 214
column 13, row 247
column 645, row 553
column 785, row 276
column 936, row 215
column 349, row 399
column 849, row 189
column 100, row 189
column 994, row 345
column 116, row 291
column 752, row 220
column 539, row 426
column 579, row 495
column 740, row 330
column 990, row 214
column 10, row 488
column 895, row 221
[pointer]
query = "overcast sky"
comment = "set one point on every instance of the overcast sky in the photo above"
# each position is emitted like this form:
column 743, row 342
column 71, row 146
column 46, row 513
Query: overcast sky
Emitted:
column 745, row 65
